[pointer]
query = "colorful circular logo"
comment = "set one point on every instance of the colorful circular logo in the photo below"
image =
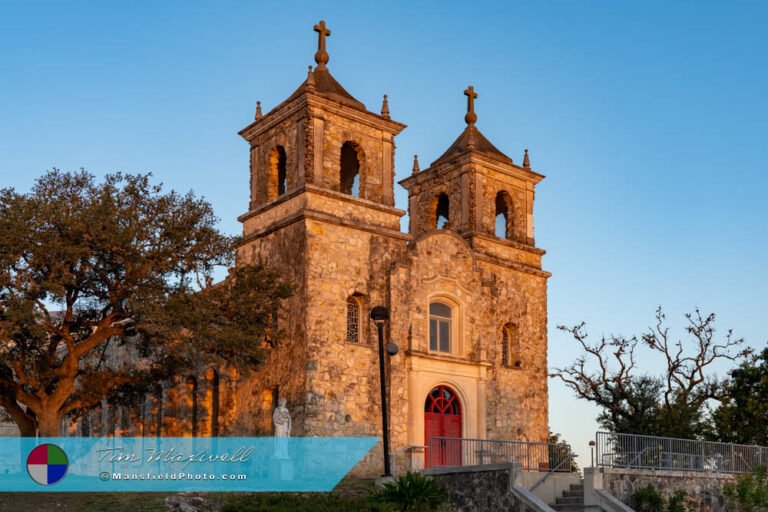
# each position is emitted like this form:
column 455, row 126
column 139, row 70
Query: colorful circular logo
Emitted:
column 47, row 464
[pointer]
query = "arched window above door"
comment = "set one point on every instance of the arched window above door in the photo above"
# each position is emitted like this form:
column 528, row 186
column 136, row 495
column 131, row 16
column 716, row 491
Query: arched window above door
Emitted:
column 440, row 327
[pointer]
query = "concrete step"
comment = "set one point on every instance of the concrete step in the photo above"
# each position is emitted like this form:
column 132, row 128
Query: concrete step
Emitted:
column 577, row 487
column 572, row 493
column 568, row 508
column 570, row 500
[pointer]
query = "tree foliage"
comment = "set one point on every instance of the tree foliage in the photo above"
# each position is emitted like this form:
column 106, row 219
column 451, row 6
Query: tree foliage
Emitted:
column 750, row 491
column 671, row 403
column 86, row 266
column 742, row 416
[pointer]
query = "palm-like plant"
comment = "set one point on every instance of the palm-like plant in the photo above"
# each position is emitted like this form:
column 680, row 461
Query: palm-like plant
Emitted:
column 412, row 492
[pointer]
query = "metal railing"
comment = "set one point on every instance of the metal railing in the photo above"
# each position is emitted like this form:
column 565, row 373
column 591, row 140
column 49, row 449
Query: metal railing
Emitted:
column 633, row 451
column 457, row 451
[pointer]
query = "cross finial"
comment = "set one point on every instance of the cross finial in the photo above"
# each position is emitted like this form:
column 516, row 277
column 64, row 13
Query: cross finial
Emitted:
column 321, row 57
column 416, row 168
column 470, row 93
column 258, row 110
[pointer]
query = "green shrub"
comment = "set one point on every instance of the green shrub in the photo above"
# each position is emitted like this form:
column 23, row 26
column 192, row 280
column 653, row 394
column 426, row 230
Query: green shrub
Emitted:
column 677, row 502
column 750, row 492
column 412, row 492
column 648, row 499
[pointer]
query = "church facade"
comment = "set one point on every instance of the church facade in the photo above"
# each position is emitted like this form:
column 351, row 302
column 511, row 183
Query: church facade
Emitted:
column 464, row 286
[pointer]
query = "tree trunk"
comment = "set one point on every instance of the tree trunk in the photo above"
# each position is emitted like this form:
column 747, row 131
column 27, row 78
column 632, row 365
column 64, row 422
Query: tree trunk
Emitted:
column 26, row 428
column 23, row 421
column 49, row 424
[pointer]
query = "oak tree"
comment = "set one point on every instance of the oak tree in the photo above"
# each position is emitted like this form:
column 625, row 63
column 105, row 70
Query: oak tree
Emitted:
column 87, row 266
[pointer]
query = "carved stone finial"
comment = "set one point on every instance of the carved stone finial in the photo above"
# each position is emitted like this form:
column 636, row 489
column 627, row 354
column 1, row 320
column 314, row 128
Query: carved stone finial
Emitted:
column 385, row 107
column 471, row 142
column 416, row 168
column 470, row 93
column 321, row 56
column 526, row 160
column 258, row 110
column 310, row 79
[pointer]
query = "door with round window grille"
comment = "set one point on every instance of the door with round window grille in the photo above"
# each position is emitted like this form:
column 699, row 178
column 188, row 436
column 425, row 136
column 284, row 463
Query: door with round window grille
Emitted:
column 442, row 418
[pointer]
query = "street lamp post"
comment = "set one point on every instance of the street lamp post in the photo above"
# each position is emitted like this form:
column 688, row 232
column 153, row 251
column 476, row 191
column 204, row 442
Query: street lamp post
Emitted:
column 380, row 315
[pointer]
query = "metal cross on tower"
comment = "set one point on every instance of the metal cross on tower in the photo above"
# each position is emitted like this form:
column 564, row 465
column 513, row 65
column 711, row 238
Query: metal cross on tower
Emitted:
column 471, row 117
column 321, row 57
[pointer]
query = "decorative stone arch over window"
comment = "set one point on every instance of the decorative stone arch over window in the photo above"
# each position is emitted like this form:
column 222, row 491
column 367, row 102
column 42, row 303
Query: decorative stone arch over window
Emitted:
column 277, row 173
column 504, row 218
column 444, row 329
column 439, row 212
column 510, row 346
column 351, row 169
column 355, row 308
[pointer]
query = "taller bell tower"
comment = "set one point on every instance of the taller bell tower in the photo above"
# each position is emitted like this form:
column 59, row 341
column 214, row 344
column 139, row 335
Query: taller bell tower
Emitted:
column 322, row 211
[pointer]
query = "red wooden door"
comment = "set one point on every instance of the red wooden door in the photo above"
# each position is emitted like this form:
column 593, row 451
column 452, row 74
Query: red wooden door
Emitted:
column 442, row 418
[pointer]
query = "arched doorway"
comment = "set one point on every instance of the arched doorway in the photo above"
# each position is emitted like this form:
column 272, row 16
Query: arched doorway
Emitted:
column 442, row 418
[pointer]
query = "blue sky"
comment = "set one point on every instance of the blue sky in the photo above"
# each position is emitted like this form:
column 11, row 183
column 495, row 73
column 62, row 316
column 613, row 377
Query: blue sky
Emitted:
column 648, row 118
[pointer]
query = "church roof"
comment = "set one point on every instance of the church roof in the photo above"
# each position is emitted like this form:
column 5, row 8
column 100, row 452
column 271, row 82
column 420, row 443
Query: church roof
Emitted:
column 327, row 86
column 472, row 139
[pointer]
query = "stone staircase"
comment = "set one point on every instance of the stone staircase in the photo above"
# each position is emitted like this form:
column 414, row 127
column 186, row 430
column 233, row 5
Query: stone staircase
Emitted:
column 571, row 500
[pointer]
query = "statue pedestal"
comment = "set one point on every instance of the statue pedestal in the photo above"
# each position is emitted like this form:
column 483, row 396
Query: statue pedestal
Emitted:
column 280, row 468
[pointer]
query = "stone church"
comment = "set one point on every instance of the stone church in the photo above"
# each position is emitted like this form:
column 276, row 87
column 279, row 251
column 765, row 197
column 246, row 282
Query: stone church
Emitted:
column 464, row 286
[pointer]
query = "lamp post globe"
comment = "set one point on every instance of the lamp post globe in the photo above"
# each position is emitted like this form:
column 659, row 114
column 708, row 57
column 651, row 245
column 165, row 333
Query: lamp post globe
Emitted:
column 379, row 314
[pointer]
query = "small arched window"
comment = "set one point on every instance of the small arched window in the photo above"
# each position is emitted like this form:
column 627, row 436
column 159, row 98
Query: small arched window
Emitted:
column 510, row 346
column 440, row 323
column 504, row 227
column 354, row 306
column 439, row 212
column 277, row 179
column 349, row 180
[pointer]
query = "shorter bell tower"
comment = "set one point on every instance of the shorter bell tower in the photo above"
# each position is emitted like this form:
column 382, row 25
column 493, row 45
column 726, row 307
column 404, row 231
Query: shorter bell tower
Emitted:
column 474, row 190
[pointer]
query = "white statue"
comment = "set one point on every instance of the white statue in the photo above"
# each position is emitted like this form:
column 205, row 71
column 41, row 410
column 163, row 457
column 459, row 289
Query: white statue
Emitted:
column 282, row 419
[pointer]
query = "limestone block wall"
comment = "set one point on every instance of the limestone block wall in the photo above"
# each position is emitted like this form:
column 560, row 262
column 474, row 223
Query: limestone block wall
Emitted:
column 375, row 154
column 342, row 389
column 480, row 489
column 283, row 373
column 521, row 203
column 497, row 402
column 424, row 192
column 705, row 489
column 516, row 396
column 287, row 131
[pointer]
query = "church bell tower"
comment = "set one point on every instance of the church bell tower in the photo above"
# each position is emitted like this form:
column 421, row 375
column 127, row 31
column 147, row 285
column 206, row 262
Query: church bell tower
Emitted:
column 322, row 211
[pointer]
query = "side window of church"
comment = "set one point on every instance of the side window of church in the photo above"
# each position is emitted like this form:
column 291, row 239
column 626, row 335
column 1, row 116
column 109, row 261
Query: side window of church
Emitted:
column 353, row 319
column 440, row 327
column 510, row 346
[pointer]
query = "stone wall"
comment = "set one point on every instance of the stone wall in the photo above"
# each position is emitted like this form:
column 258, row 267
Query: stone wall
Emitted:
column 479, row 488
column 705, row 490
